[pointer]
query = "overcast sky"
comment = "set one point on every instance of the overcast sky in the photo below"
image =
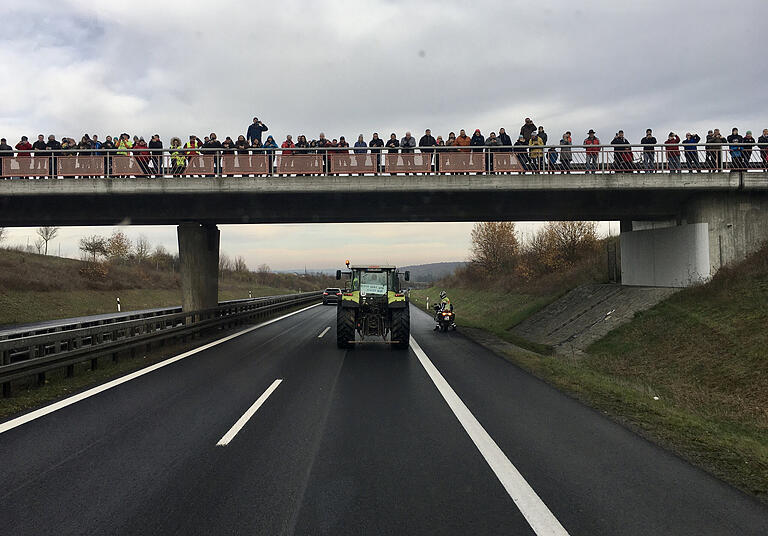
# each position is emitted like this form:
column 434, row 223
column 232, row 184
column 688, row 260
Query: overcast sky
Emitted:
column 346, row 68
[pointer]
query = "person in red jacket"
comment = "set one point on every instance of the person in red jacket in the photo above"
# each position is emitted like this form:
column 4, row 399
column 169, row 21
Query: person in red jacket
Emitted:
column 673, row 152
column 141, row 151
column 592, row 152
column 23, row 147
column 288, row 144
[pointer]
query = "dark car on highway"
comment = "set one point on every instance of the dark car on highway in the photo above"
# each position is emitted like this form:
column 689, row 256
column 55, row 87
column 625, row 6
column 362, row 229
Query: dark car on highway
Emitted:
column 331, row 295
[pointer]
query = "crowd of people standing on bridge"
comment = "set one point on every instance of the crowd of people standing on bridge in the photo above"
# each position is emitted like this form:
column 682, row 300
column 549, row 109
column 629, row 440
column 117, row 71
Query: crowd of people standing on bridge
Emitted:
column 532, row 148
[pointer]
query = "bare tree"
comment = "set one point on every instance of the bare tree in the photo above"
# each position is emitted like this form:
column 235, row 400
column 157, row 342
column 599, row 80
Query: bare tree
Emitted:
column 141, row 249
column 94, row 246
column 47, row 234
column 225, row 263
column 39, row 243
column 572, row 238
column 263, row 269
column 240, row 265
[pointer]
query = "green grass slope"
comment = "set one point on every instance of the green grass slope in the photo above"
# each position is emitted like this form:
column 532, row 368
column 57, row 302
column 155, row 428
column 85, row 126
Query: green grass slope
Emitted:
column 39, row 287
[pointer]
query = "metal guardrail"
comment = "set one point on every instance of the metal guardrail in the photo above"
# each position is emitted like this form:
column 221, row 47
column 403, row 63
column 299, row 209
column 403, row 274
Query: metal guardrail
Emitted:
column 126, row 163
column 40, row 353
column 66, row 324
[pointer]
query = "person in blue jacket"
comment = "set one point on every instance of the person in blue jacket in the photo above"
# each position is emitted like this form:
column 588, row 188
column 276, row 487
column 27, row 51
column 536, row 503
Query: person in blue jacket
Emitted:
column 691, row 151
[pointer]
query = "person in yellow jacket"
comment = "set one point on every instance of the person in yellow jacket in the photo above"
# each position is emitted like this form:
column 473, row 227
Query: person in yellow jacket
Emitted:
column 178, row 157
column 124, row 144
column 536, row 153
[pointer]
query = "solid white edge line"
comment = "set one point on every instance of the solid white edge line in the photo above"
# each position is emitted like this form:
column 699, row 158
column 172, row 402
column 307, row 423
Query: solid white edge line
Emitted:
column 324, row 332
column 36, row 414
column 539, row 517
column 230, row 435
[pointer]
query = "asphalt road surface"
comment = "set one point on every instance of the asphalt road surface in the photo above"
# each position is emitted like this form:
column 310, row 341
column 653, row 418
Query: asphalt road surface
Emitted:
column 276, row 431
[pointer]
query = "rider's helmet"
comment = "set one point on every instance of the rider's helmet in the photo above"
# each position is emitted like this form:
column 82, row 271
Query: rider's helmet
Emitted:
column 443, row 294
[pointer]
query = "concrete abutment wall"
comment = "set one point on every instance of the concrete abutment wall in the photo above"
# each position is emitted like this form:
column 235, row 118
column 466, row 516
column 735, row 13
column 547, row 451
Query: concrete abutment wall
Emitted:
column 713, row 229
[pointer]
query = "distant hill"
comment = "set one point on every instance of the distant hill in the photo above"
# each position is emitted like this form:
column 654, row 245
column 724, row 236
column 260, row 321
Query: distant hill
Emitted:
column 431, row 272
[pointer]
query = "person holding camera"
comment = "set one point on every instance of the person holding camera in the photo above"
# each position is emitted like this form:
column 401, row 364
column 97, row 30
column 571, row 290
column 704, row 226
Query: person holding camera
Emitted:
column 255, row 130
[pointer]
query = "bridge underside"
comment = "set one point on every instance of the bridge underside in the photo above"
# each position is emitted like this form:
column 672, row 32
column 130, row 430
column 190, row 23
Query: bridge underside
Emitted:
column 332, row 199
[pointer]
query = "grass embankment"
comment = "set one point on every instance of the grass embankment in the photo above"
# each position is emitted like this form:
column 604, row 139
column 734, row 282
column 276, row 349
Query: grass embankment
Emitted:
column 491, row 311
column 690, row 374
column 38, row 287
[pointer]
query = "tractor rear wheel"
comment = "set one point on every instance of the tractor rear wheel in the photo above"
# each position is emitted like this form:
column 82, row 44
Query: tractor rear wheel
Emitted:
column 345, row 327
column 401, row 327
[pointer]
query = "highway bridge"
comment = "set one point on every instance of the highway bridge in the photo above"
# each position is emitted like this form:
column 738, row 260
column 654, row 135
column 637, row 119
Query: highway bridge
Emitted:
column 273, row 430
column 680, row 221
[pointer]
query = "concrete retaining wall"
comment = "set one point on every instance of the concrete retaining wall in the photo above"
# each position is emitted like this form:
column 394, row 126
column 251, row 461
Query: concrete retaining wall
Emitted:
column 669, row 257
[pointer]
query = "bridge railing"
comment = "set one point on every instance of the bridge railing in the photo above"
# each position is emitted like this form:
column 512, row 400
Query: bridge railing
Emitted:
column 167, row 163
column 39, row 353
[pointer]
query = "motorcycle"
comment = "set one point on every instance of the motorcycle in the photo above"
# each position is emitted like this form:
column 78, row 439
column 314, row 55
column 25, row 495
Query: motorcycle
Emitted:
column 444, row 320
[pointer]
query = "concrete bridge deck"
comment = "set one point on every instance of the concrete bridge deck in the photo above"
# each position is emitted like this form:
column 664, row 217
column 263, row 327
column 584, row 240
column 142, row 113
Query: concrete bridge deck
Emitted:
column 367, row 198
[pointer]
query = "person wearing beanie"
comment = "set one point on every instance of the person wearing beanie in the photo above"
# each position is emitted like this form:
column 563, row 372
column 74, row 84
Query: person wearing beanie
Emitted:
column 749, row 142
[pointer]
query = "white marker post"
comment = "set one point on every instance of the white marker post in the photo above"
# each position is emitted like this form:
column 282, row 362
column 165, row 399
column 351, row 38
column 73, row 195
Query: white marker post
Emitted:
column 118, row 305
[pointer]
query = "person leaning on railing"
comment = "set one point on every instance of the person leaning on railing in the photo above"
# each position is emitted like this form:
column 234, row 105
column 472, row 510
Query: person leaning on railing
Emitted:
column 521, row 152
column 492, row 143
column 376, row 145
column 715, row 152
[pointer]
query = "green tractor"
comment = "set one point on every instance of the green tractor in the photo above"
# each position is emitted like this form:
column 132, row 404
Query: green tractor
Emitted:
column 373, row 305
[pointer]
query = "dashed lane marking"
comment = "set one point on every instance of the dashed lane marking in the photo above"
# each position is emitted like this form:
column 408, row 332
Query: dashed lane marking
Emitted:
column 230, row 435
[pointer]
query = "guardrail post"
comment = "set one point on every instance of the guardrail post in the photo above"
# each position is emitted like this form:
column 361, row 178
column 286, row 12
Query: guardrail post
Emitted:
column 94, row 363
column 70, row 371
column 41, row 378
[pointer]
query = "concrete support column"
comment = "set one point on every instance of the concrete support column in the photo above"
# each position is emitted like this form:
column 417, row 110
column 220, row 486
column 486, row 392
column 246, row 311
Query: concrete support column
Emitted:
column 199, row 259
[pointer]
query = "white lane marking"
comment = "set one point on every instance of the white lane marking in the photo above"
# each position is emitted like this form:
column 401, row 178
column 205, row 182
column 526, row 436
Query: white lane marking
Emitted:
column 229, row 436
column 32, row 415
column 324, row 332
column 539, row 517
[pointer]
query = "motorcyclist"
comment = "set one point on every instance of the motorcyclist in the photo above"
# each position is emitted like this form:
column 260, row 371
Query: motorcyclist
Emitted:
column 444, row 305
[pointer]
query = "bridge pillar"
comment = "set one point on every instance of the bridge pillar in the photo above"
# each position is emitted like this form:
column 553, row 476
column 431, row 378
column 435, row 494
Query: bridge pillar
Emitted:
column 199, row 260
